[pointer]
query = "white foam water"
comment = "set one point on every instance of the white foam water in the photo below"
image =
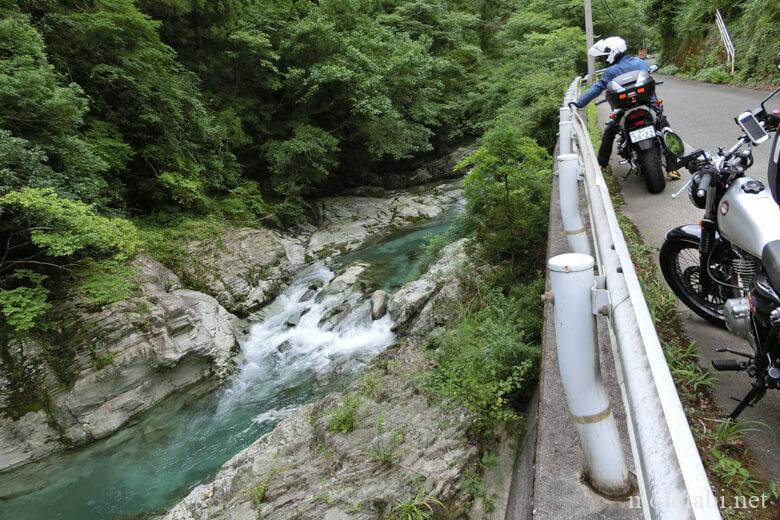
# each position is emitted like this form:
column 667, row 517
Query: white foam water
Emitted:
column 275, row 351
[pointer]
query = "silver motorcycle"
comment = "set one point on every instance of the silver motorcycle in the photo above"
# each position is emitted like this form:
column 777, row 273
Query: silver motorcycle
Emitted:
column 727, row 268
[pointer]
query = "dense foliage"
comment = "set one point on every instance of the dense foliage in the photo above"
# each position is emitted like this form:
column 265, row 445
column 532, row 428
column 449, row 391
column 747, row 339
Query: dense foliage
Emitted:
column 507, row 207
column 167, row 111
column 690, row 40
column 175, row 112
column 501, row 331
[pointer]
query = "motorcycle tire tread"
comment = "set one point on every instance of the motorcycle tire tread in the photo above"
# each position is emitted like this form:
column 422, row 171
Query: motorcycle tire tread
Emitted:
column 650, row 166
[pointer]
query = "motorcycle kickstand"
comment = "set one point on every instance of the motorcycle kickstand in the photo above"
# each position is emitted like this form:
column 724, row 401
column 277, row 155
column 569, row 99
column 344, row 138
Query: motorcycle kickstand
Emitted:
column 754, row 396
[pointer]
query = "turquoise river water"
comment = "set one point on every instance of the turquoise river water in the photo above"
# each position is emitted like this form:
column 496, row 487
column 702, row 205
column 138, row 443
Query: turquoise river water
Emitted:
column 149, row 465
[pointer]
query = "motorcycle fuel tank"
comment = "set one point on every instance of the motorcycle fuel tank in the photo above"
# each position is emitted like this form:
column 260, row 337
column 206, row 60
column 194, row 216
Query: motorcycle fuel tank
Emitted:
column 748, row 216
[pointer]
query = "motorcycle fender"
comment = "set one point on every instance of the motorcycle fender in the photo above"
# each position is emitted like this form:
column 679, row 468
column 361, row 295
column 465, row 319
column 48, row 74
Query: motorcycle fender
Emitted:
column 687, row 233
column 644, row 145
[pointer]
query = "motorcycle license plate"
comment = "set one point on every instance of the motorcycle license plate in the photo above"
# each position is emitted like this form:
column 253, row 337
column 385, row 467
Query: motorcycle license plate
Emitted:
column 647, row 132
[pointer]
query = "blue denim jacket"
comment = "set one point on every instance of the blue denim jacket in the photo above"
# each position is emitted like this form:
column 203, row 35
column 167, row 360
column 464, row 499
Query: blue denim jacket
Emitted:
column 626, row 64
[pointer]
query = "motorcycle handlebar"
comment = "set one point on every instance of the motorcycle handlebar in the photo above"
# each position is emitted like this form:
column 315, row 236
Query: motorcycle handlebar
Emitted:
column 705, row 182
column 740, row 142
column 688, row 159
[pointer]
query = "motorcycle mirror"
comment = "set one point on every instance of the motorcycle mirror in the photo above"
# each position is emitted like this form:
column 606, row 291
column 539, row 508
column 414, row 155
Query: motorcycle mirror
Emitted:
column 777, row 61
column 653, row 68
column 674, row 143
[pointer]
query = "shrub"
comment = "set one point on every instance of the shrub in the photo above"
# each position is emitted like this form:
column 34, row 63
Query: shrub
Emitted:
column 418, row 508
column 507, row 196
column 47, row 236
column 163, row 236
column 713, row 75
column 62, row 227
column 343, row 418
column 22, row 306
column 500, row 331
column 245, row 204
column 107, row 281
column 669, row 69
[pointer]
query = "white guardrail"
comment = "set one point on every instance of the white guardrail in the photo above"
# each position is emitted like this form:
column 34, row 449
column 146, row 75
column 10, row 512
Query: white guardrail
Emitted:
column 670, row 474
column 726, row 39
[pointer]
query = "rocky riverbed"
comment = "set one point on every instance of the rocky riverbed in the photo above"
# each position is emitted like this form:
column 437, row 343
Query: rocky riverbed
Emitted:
column 401, row 446
column 246, row 268
column 105, row 366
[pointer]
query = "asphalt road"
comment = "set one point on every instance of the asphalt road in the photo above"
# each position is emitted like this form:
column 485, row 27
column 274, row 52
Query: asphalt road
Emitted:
column 703, row 115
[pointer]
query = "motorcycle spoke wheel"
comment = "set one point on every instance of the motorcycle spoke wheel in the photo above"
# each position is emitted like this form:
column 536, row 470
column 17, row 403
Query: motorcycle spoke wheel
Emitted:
column 682, row 270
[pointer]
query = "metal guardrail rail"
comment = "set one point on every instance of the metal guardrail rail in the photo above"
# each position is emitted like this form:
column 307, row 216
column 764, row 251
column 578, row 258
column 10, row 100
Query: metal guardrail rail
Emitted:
column 726, row 39
column 670, row 474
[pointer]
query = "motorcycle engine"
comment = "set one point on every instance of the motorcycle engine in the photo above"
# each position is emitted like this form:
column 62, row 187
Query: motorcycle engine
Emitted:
column 736, row 313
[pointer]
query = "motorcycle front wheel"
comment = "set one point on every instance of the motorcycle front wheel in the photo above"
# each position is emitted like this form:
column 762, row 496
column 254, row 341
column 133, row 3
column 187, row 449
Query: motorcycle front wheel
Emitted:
column 650, row 165
column 681, row 267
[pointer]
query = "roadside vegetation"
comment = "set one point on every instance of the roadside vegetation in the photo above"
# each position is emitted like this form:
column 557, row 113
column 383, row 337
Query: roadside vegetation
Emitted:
column 507, row 211
column 689, row 41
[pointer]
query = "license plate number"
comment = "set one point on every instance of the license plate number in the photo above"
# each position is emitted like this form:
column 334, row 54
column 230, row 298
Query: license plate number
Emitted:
column 647, row 132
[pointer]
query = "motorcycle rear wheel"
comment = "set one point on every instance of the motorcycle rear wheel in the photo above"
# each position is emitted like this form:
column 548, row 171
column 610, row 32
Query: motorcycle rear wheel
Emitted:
column 650, row 165
column 680, row 266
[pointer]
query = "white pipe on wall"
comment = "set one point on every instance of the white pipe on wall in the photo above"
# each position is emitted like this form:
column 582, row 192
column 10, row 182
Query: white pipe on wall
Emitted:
column 568, row 185
column 571, row 280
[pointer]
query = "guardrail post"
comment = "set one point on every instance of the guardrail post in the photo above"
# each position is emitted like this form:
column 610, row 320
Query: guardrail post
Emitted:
column 571, row 279
column 564, row 131
column 576, row 236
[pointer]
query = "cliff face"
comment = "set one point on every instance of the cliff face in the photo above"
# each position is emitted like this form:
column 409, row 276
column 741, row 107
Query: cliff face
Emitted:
column 127, row 357
column 357, row 454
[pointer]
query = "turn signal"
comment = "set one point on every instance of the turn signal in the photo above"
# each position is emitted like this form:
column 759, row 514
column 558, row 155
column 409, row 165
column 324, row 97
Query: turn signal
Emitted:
column 623, row 96
column 640, row 90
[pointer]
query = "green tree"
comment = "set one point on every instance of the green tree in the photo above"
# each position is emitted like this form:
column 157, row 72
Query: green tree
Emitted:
column 507, row 195
column 142, row 97
column 41, row 143
column 47, row 238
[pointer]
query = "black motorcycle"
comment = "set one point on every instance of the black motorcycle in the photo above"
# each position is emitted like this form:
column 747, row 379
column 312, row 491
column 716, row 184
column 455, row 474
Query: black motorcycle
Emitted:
column 642, row 125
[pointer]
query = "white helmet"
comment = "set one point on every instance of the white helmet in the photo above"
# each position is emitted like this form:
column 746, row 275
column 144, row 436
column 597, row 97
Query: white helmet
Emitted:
column 609, row 48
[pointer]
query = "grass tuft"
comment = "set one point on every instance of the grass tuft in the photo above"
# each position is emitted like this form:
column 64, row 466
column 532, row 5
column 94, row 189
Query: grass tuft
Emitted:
column 343, row 418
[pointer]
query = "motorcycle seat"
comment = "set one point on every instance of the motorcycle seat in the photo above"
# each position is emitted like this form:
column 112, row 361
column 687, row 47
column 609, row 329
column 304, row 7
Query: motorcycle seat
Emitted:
column 770, row 257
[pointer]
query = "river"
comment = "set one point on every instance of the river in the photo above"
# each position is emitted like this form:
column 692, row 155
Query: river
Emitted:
column 145, row 468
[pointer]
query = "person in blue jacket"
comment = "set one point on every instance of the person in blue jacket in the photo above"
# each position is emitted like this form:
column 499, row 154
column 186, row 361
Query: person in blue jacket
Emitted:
column 614, row 51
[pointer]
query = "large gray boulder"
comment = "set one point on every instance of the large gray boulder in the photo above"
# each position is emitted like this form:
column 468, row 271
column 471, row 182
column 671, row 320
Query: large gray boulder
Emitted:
column 125, row 358
column 410, row 299
column 379, row 301
column 243, row 268
column 30, row 437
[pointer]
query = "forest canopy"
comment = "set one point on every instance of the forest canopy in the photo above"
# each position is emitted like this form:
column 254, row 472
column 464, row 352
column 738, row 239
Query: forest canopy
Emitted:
column 128, row 114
